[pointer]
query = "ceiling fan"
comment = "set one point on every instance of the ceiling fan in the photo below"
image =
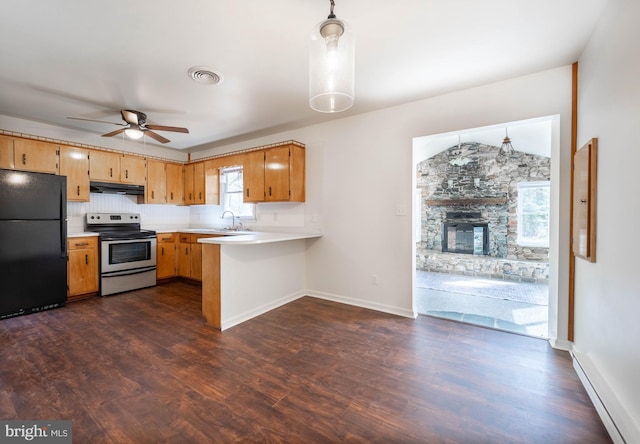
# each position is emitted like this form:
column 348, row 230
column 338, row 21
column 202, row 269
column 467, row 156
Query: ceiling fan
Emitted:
column 136, row 126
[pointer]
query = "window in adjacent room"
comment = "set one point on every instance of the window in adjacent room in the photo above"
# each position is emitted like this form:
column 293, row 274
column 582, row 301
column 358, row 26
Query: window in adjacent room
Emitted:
column 232, row 189
column 533, row 214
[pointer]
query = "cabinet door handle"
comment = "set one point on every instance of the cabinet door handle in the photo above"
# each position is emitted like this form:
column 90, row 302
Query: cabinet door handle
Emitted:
column 78, row 191
column 172, row 195
column 126, row 174
column 162, row 251
column 200, row 195
column 189, row 196
column 86, row 259
column 153, row 194
column 247, row 192
column 186, row 251
column 110, row 172
column 269, row 191
column 82, row 244
column 24, row 158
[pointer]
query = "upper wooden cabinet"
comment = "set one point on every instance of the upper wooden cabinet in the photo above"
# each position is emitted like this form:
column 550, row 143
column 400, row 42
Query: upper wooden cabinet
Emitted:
column 175, row 183
column 165, row 183
column 6, row 152
column 156, row 188
column 277, row 174
column 199, row 191
column 34, row 155
column 212, row 183
column 194, row 184
column 113, row 167
column 281, row 172
column 253, row 176
column 104, row 166
column 74, row 163
column 133, row 169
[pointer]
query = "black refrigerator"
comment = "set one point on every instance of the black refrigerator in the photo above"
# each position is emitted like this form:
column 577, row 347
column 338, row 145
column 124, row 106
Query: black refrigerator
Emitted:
column 33, row 242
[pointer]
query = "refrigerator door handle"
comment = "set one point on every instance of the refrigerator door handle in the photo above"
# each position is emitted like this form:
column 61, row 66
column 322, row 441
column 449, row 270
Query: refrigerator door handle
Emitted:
column 63, row 222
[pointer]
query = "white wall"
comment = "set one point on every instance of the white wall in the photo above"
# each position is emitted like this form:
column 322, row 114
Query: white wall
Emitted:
column 360, row 171
column 607, row 327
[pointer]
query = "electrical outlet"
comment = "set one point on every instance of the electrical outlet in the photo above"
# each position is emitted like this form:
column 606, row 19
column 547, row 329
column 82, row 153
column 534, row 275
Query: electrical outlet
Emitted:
column 401, row 210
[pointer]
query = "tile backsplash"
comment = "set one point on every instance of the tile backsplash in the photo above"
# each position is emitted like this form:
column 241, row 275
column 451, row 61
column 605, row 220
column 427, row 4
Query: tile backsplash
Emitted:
column 155, row 217
column 269, row 217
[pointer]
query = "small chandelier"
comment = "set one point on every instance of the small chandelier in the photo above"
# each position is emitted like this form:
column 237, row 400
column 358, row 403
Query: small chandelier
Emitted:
column 506, row 150
column 331, row 65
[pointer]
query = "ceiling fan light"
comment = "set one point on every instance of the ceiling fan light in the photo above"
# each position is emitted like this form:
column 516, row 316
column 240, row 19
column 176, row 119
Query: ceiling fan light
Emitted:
column 134, row 133
column 331, row 66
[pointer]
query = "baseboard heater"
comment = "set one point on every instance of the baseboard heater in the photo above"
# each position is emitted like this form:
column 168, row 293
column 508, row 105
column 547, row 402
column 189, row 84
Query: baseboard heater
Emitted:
column 606, row 418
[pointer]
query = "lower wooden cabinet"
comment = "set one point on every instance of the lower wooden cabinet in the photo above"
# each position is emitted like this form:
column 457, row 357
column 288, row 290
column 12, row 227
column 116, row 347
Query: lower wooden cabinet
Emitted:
column 166, row 256
column 189, row 255
column 82, row 269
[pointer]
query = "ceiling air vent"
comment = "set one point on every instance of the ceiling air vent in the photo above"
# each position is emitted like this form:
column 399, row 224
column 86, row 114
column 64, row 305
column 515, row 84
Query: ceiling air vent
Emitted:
column 206, row 76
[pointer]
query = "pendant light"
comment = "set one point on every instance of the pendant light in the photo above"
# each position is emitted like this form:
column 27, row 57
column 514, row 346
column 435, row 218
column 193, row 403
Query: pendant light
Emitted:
column 506, row 150
column 331, row 65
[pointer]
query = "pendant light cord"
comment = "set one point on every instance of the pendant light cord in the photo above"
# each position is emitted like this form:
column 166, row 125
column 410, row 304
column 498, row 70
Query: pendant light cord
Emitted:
column 331, row 14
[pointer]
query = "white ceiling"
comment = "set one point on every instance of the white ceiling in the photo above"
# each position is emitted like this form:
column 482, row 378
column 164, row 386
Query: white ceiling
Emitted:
column 89, row 59
column 532, row 136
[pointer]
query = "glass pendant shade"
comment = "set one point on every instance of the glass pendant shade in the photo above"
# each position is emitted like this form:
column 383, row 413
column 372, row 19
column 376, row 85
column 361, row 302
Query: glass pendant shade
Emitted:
column 331, row 66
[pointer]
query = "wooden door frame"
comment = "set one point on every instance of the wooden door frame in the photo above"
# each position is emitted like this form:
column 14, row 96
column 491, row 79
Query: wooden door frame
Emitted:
column 574, row 143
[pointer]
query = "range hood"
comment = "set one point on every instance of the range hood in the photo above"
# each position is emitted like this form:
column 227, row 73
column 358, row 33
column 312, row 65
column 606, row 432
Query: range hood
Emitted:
column 116, row 188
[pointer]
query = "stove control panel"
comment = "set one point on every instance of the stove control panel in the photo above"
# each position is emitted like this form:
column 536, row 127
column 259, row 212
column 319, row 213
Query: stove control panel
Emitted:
column 112, row 218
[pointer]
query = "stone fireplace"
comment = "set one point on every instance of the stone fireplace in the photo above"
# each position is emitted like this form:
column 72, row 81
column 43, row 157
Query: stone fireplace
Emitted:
column 469, row 214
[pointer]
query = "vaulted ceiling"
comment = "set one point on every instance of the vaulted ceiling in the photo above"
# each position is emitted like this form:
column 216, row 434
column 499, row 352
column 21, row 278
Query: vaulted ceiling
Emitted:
column 90, row 59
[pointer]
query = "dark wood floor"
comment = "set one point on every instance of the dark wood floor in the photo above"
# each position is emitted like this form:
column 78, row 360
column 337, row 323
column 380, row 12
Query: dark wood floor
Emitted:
column 143, row 367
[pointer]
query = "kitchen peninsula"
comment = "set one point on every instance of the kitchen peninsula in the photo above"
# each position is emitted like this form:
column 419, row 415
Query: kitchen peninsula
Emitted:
column 244, row 276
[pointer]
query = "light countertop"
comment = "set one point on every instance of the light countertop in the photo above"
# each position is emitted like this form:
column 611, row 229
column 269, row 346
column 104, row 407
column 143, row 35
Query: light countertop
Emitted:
column 228, row 237
column 253, row 238
column 81, row 234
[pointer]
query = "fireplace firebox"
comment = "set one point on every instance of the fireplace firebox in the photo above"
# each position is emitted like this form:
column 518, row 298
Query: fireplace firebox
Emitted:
column 465, row 233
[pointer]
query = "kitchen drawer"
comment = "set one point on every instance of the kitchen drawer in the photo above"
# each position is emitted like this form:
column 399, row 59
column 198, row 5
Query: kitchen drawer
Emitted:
column 82, row 243
column 185, row 238
column 167, row 237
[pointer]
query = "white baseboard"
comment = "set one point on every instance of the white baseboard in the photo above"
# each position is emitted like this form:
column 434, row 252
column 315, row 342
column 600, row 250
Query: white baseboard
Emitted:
column 561, row 344
column 363, row 304
column 235, row 320
column 618, row 422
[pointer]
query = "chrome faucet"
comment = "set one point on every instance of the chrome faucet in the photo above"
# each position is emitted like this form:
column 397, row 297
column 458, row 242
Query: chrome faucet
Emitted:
column 233, row 219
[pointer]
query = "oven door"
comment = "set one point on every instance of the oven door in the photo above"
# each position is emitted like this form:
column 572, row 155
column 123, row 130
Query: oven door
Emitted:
column 127, row 254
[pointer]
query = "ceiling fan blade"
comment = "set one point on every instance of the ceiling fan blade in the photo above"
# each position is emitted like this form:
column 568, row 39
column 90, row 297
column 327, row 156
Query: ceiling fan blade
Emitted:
column 94, row 120
column 156, row 136
column 113, row 133
column 130, row 116
column 175, row 129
